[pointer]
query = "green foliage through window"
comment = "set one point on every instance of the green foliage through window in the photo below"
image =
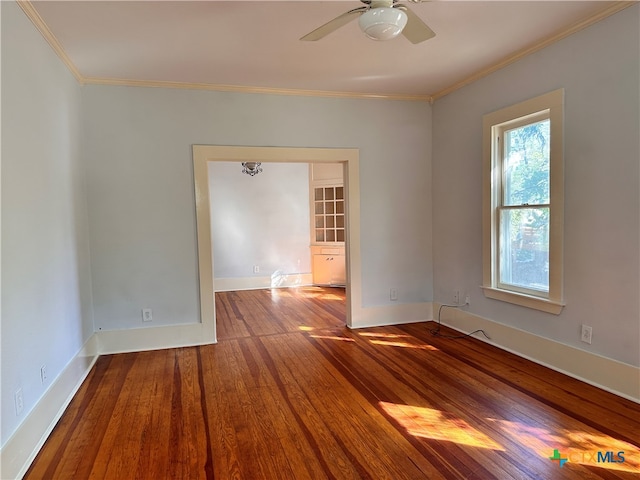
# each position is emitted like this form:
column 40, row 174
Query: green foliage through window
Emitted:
column 525, row 222
column 526, row 165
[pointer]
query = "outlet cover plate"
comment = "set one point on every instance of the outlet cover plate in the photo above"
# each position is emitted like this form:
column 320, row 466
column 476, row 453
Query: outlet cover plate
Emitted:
column 586, row 334
column 19, row 402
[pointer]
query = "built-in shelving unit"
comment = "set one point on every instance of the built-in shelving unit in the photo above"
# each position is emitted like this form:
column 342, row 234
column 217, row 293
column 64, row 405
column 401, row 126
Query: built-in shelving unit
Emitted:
column 329, row 213
column 328, row 235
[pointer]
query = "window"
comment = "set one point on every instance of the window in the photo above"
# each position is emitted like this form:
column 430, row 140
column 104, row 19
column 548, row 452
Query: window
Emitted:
column 523, row 202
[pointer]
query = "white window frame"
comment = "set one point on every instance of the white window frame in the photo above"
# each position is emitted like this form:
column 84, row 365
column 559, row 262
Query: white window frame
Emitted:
column 551, row 106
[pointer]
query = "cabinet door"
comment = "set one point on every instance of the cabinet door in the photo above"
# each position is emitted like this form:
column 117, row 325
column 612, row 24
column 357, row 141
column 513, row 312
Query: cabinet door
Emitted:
column 322, row 269
column 328, row 215
column 338, row 270
column 329, row 270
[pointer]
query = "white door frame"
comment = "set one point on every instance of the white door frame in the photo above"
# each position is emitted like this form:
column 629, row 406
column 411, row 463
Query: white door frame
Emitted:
column 348, row 157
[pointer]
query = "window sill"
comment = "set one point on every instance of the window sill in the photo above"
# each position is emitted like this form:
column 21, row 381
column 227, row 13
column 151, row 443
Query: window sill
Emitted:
column 523, row 300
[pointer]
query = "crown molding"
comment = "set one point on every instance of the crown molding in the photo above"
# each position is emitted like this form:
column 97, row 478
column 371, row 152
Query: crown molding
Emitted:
column 39, row 23
column 615, row 7
column 42, row 27
column 248, row 89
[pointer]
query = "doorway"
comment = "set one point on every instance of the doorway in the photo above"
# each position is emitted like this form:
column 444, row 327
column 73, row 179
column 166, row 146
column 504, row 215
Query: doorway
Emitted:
column 203, row 154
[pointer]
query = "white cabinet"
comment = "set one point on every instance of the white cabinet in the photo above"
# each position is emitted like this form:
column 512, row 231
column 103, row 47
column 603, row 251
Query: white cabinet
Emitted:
column 329, row 269
column 328, row 224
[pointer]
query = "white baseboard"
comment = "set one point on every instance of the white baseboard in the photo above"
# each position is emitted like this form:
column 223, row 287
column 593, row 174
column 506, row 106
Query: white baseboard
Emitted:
column 392, row 315
column 611, row 375
column 25, row 443
column 155, row 338
column 254, row 283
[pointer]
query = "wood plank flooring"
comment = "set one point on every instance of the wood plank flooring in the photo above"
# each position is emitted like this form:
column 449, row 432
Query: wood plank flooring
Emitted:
column 290, row 393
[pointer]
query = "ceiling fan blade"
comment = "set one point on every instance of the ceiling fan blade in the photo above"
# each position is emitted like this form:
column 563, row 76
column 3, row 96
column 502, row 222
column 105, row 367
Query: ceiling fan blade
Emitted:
column 416, row 30
column 334, row 24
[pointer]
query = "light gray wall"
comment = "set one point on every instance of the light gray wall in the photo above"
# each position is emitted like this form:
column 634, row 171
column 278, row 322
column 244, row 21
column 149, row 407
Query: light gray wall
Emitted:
column 141, row 197
column 599, row 70
column 46, row 295
column 261, row 220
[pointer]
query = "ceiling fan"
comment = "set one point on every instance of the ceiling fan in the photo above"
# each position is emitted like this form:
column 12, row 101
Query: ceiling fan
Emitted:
column 379, row 20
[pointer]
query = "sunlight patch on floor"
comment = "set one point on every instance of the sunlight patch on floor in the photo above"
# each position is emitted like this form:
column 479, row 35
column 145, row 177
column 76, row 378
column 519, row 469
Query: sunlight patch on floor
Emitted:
column 601, row 450
column 320, row 293
column 384, row 335
column 589, row 448
column 584, row 447
column 302, row 291
column 421, row 346
column 321, row 296
column 438, row 425
column 332, row 337
column 331, row 296
column 396, row 340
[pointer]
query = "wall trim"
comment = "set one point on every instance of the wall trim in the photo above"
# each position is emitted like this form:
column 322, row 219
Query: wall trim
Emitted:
column 611, row 375
column 288, row 280
column 396, row 314
column 252, row 89
column 348, row 157
column 22, row 447
column 154, row 338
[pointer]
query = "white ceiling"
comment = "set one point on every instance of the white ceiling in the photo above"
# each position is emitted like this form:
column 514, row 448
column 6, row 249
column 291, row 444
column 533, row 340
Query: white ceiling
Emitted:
column 256, row 43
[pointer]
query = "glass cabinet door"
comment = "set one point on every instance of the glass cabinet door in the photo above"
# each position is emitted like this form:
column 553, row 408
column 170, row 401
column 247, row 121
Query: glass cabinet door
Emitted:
column 329, row 214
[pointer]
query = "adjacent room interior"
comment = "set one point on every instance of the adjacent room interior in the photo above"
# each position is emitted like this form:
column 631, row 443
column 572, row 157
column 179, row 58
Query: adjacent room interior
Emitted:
column 114, row 123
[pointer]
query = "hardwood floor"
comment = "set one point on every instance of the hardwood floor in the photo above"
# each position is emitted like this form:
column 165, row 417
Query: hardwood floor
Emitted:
column 290, row 393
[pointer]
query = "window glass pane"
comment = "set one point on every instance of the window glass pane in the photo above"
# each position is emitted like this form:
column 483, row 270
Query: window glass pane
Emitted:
column 526, row 164
column 340, row 235
column 329, row 207
column 319, row 221
column 319, row 208
column 524, row 248
column 318, row 193
column 339, row 193
column 319, row 235
column 340, row 207
column 328, row 193
column 331, row 222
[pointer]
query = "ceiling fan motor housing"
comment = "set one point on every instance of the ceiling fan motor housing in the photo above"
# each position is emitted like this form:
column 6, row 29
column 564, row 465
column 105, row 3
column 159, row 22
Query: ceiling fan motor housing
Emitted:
column 382, row 23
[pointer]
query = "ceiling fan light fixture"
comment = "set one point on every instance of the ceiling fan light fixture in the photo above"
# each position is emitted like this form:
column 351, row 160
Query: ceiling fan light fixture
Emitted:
column 382, row 23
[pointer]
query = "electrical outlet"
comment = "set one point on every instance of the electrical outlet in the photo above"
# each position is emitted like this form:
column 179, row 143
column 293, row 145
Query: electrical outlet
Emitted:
column 147, row 314
column 467, row 300
column 19, row 399
column 256, row 269
column 43, row 374
column 393, row 294
column 585, row 336
column 456, row 297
